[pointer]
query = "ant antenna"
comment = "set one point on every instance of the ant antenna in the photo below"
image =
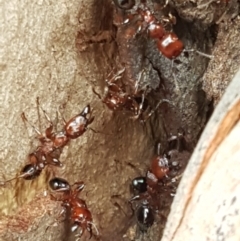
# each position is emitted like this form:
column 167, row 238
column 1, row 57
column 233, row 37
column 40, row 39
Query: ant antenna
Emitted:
column 2, row 183
column 94, row 227
column 158, row 104
column 98, row 132
column 199, row 52
column 158, row 149
column 96, row 93
column 24, row 118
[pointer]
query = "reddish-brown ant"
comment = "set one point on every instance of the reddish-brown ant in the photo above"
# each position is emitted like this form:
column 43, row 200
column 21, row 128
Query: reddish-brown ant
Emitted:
column 167, row 42
column 146, row 191
column 117, row 99
column 74, row 128
column 158, row 170
column 80, row 216
column 52, row 143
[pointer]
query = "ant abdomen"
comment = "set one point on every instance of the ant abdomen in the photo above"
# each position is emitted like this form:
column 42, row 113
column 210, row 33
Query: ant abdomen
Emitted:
column 170, row 46
column 145, row 216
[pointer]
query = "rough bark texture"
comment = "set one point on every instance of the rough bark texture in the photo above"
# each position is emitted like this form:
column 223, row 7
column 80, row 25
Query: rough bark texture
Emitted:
column 58, row 50
column 207, row 204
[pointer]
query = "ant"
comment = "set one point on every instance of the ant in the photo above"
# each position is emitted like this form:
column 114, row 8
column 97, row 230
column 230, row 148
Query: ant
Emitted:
column 117, row 99
column 80, row 215
column 144, row 211
column 167, row 42
column 52, row 143
column 146, row 190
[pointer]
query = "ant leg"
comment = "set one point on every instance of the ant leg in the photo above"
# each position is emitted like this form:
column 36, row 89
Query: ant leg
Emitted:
column 48, row 131
column 90, row 230
column 79, row 186
column 79, row 235
column 96, row 93
column 25, row 120
column 158, row 149
column 50, row 128
column 142, row 102
column 116, row 204
column 117, row 76
column 97, row 132
column 138, row 81
column 166, row 3
column 2, row 183
column 59, row 218
column 62, row 117
column 158, row 104
column 173, row 180
column 199, row 52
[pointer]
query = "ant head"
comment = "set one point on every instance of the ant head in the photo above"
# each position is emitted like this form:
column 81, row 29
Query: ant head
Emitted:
column 59, row 184
column 30, row 172
column 124, row 4
column 138, row 185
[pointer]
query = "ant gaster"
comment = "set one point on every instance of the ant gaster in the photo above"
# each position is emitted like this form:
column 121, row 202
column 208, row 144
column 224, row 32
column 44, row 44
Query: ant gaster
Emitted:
column 80, row 215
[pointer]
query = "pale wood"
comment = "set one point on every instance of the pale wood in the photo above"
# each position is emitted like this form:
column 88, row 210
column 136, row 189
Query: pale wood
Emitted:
column 207, row 203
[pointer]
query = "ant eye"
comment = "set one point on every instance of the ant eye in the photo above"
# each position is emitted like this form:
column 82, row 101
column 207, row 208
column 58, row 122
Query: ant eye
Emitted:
column 124, row 4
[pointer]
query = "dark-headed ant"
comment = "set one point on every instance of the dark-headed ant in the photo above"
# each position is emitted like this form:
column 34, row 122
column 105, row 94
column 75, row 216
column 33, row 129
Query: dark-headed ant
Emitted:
column 144, row 210
column 38, row 161
column 52, row 143
column 146, row 191
column 80, row 215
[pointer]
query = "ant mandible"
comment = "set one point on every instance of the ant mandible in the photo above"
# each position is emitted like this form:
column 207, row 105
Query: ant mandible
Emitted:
column 80, row 215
